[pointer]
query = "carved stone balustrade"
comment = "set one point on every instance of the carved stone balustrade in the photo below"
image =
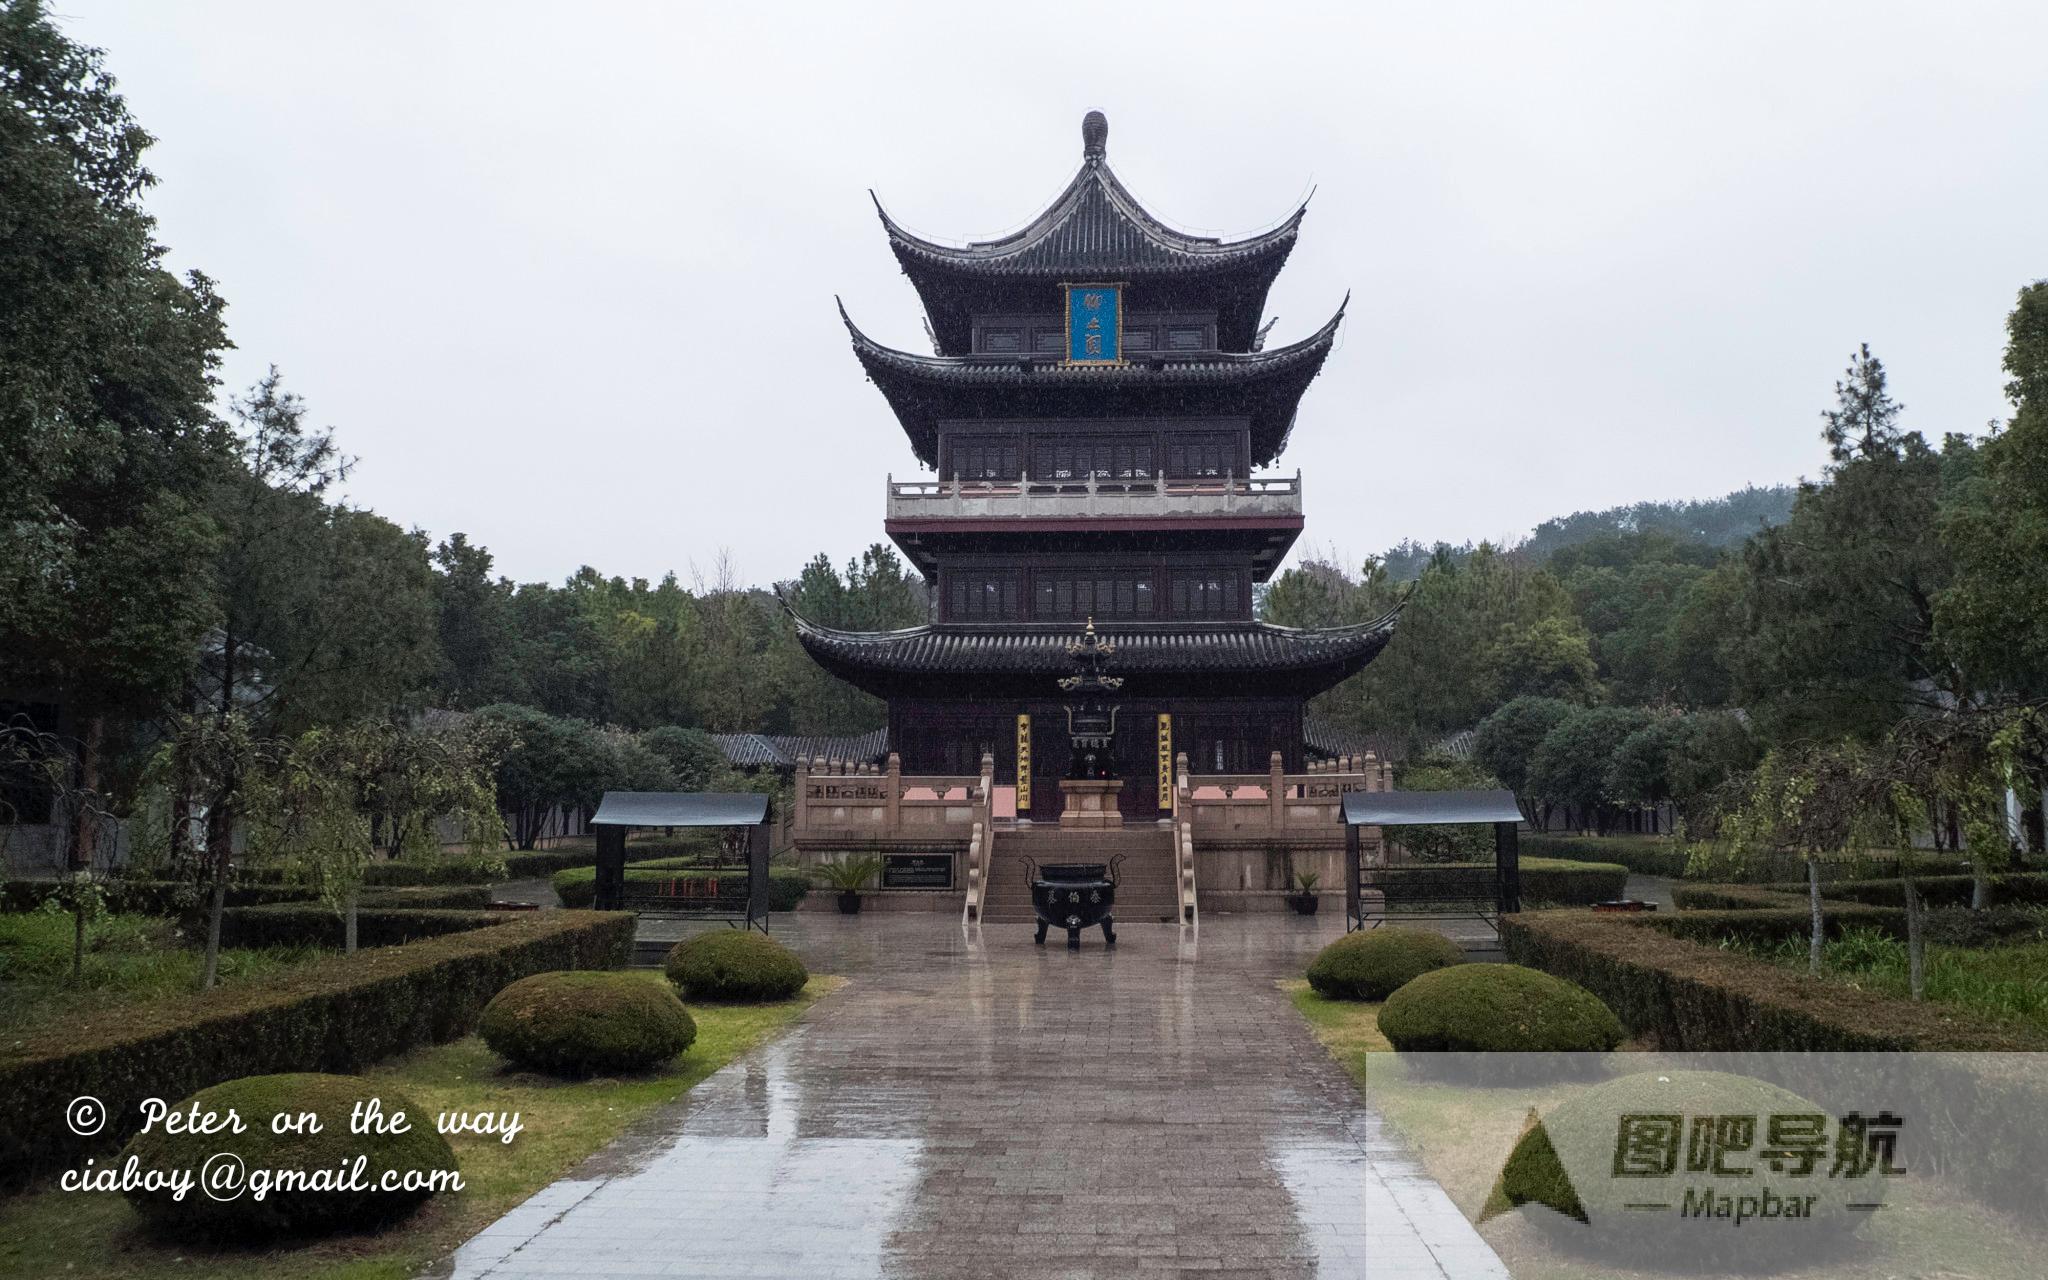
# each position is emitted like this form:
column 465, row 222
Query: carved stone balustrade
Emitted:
column 836, row 805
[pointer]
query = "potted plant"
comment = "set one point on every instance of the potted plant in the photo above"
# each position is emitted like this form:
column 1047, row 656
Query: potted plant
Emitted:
column 849, row 876
column 1304, row 900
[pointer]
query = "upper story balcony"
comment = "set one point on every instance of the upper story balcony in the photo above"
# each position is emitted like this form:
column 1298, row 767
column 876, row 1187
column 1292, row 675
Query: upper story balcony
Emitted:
column 1097, row 496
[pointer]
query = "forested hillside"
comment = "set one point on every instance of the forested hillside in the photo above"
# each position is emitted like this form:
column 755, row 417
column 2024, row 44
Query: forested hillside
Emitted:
column 1892, row 610
column 1706, row 522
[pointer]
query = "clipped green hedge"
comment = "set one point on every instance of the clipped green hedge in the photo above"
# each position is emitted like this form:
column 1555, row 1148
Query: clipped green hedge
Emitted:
column 187, row 899
column 337, row 1016
column 1644, row 855
column 577, row 887
column 1372, row 964
column 1781, row 868
column 288, row 924
column 455, row 868
column 1734, row 897
column 589, row 1022
column 538, row 863
column 2027, row 888
column 1667, row 979
column 149, row 897
column 1688, row 994
column 1545, row 882
column 735, row 965
column 293, row 1211
column 1565, row 883
column 1769, row 924
column 450, row 897
column 1497, row 1008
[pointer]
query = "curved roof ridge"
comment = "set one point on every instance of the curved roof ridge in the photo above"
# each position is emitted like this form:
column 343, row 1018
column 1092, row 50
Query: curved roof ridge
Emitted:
column 1390, row 618
column 807, row 626
column 1250, row 360
column 1267, row 384
column 1167, row 630
column 1097, row 180
column 1023, row 658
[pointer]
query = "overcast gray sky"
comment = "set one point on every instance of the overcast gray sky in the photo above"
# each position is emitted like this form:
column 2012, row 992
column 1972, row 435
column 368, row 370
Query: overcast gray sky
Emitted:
column 562, row 275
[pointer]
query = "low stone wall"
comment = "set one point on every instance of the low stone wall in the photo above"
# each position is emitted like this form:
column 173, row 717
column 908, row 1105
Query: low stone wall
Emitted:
column 878, row 898
column 891, row 900
column 1264, row 902
column 1267, row 865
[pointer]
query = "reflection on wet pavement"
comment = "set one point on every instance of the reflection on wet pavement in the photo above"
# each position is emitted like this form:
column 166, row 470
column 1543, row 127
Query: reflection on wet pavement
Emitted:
column 971, row 1105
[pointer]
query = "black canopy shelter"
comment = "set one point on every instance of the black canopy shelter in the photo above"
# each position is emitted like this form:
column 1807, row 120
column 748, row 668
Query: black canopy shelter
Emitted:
column 1411, row 887
column 727, row 883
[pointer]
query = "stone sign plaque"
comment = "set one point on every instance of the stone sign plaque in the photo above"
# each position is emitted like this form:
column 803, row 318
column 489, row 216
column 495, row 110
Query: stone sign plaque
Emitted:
column 917, row 871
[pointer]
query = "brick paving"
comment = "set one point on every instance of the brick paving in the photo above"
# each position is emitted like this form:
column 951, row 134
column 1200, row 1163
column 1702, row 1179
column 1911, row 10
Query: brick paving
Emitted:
column 971, row 1105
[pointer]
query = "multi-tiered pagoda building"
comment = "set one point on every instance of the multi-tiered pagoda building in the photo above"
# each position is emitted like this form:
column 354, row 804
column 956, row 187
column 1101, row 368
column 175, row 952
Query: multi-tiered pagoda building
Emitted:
column 1099, row 407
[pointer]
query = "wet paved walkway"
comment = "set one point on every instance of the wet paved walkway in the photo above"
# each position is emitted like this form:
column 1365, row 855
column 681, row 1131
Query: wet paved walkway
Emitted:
column 975, row 1106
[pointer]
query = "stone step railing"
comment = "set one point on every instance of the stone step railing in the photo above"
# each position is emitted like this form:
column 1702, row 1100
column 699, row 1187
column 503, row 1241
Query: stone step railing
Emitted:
column 981, row 850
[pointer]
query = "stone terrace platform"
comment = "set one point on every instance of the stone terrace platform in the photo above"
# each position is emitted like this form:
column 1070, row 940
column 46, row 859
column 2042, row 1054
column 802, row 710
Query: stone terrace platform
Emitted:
column 971, row 1105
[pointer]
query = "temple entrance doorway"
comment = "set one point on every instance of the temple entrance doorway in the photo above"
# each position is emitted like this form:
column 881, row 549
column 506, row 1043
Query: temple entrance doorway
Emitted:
column 1053, row 756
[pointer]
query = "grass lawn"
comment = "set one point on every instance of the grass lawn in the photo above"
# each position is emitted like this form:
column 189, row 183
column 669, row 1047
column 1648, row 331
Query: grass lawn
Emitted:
column 1348, row 1028
column 2006, row 983
column 53, row 1233
column 1463, row 1137
column 127, row 958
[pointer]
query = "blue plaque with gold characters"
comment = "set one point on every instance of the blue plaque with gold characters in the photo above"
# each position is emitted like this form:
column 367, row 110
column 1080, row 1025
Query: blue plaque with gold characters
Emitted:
column 1095, row 323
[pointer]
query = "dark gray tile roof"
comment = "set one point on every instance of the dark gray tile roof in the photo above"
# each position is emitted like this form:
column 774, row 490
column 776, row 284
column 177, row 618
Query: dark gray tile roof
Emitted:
column 1426, row 808
column 898, row 659
column 1095, row 225
column 1266, row 385
column 679, row 809
column 785, row 751
column 1097, row 229
column 1327, row 739
column 1330, row 740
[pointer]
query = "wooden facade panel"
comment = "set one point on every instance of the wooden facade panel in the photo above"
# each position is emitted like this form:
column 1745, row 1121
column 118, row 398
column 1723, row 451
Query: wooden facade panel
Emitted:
column 1074, row 449
column 991, row 587
column 1046, row 332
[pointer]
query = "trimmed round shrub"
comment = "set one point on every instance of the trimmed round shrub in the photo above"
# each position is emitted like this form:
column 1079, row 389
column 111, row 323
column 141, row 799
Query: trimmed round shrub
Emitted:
column 1630, row 1140
column 735, row 965
column 1372, row 964
column 1497, row 1008
column 587, row 1022
column 287, row 1209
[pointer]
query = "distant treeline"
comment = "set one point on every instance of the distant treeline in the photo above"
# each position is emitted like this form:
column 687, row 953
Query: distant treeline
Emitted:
column 1707, row 522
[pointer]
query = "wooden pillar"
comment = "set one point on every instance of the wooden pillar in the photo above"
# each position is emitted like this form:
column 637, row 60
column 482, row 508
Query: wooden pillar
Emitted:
column 1276, row 784
column 1507, row 858
column 611, row 868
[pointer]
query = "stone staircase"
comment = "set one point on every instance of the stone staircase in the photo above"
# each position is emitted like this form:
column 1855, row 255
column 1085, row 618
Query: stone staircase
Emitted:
column 1146, row 890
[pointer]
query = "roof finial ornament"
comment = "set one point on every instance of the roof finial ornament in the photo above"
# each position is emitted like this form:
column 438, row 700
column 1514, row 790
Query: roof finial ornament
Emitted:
column 1094, row 135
